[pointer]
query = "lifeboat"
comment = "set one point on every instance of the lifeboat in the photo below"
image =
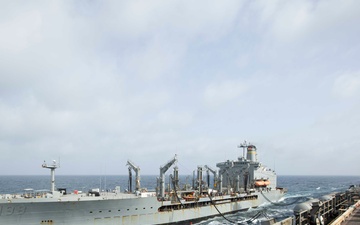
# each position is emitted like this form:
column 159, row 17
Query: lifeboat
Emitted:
column 189, row 197
column 262, row 183
column 259, row 183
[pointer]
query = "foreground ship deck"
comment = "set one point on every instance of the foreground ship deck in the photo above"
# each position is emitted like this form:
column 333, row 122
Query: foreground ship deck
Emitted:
column 238, row 185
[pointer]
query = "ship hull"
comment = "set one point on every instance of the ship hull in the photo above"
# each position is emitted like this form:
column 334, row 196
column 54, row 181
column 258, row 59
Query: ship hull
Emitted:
column 124, row 211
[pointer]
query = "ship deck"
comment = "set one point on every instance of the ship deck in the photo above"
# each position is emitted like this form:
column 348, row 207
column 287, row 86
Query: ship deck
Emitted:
column 46, row 197
column 354, row 218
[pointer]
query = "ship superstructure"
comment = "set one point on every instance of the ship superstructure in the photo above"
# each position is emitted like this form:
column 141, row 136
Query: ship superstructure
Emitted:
column 245, row 173
column 237, row 185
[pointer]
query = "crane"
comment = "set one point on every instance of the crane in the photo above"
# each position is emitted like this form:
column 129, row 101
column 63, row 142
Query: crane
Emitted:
column 137, row 175
column 163, row 170
column 214, row 172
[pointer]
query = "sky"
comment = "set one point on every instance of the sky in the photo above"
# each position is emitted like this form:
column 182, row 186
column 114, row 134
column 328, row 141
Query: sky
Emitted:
column 96, row 83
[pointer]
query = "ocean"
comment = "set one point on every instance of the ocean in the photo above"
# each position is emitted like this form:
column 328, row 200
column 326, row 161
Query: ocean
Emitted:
column 300, row 188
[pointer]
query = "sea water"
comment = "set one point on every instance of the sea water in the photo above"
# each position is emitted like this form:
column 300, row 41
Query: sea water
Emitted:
column 300, row 188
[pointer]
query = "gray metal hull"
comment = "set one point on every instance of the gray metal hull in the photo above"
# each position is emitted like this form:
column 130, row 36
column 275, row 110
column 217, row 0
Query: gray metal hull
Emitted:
column 119, row 211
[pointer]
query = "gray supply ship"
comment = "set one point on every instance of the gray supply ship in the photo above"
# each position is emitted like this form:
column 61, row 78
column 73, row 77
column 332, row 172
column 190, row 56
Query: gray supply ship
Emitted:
column 238, row 185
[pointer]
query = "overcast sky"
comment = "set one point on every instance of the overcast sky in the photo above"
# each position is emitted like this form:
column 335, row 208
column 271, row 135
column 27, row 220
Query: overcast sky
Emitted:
column 96, row 83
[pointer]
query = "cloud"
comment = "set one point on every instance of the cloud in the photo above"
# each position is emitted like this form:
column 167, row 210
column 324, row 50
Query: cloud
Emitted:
column 293, row 21
column 169, row 118
column 96, row 82
column 304, row 31
column 20, row 32
column 207, row 19
column 222, row 92
column 347, row 85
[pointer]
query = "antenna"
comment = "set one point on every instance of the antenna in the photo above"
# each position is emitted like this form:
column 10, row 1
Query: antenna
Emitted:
column 274, row 164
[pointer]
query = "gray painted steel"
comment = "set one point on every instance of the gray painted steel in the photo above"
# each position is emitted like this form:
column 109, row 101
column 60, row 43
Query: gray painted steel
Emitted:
column 244, row 184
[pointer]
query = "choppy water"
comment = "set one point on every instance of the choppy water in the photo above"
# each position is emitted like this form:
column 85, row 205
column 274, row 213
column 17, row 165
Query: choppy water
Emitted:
column 304, row 187
column 300, row 188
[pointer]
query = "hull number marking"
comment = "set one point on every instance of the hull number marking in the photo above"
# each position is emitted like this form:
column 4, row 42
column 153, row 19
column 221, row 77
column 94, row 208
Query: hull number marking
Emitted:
column 12, row 210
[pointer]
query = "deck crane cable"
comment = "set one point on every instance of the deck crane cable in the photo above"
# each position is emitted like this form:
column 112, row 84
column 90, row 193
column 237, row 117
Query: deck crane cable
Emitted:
column 260, row 213
column 282, row 204
column 213, row 203
column 176, row 194
column 172, row 179
column 257, row 215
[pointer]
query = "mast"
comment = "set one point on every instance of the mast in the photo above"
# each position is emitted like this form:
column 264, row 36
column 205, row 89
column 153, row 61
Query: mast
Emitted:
column 243, row 146
column 199, row 178
column 176, row 177
column 52, row 168
column 130, row 180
